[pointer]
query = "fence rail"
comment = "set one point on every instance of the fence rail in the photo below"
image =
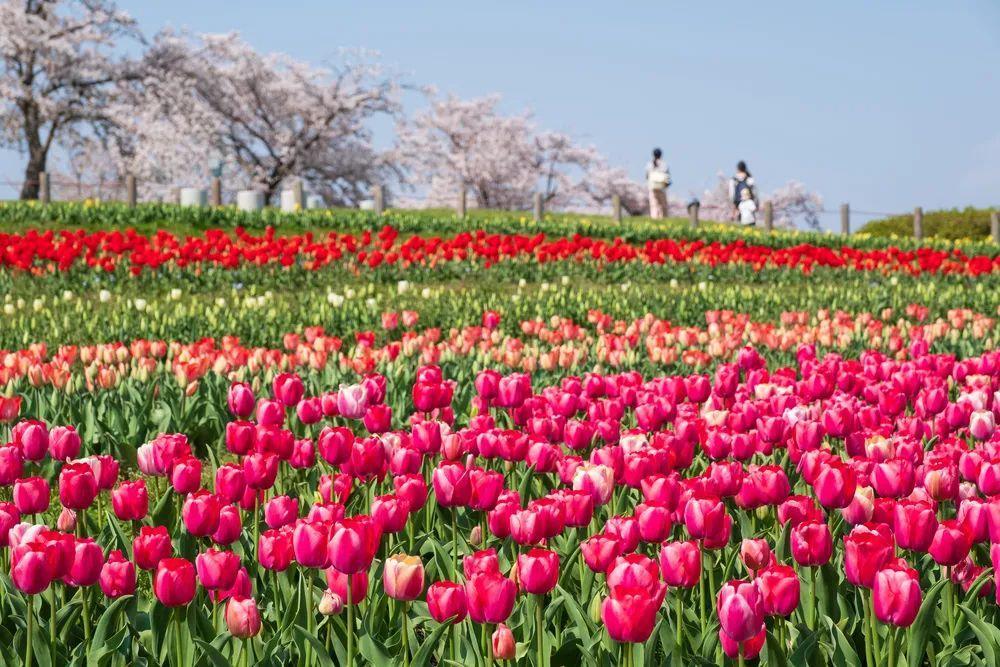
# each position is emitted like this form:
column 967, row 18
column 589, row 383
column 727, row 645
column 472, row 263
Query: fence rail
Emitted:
column 294, row 198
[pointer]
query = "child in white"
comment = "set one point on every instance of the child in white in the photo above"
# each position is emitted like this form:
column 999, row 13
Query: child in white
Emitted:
column 748, row 208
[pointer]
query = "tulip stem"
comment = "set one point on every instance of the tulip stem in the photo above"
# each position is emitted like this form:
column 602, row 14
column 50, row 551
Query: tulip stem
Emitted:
column 454, row 539
column 52, row 617
column 350, row 625
column 892, row 660
column 871, row 617
column 678, row 620
column 246, row 652
column 539, row 630
column 86, row 614
column 702, row 598
column 177, row 636
column 814, row 607
column 310, row 611
column 30, row 631
column 256, row 526
column 869, row 656
column 406, row 636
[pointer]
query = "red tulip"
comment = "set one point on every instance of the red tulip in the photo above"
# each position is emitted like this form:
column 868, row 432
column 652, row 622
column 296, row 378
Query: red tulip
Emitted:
column 150, row 546
column 201, row 513
column 353, row 543
column 702, row 514
column 481, row 562
column 185, row 476
column 31, row 495
column 629, row 614
column 897, row 596
column 29, row 568
column 680, row 564
column 446, row 602
column 779, row 590
column 240, row 437
column 811, row 543
column 951, row 543
column 390, row 513
column 274, row 549
column 654, row 521
column 240, row 399
column 741, row 612
column 412, row 489
column 600, row 551
column 117, row 576
column 287, row 388
column 77, row 486
column 338, row 582
column 281, row 511
column 88, row 559
column 865, row 553
column 755, row 554
column 174, row 583
column 490, row 597
column 452, row 485
column 835, row 485
column 310, row 541
column 9, row 517
column 485, row 488
column 914, row 524
column 130, row 500
column 11, row 464
column 260, row 470
column 538, row 571
column 270, row 412
column 32, row 437
column 633, row 571
column 230, row 526
column 217, row 569
column 64, row 443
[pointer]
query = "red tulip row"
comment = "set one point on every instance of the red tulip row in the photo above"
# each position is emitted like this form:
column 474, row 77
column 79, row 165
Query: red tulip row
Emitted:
column 883, row 466
column 105, row 250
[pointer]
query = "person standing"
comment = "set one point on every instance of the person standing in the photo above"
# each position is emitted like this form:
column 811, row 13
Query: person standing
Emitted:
column 658, row 179
column 739, row 183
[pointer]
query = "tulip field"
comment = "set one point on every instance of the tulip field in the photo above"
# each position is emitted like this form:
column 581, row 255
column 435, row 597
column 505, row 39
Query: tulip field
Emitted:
column 343, row 439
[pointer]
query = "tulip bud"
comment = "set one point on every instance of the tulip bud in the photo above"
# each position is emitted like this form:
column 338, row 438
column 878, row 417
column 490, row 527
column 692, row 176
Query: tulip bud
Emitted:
column 66, row 521
column 504, row 646
column 331, row 604
column 242, row 617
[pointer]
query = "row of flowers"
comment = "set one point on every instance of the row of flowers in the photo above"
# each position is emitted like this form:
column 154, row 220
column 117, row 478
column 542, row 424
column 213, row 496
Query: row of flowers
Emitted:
column 558, row 343
column 48, row 251
column 813, row 510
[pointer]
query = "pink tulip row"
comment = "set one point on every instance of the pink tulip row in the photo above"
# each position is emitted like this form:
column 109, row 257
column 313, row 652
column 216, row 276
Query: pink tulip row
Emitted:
column 871, row 462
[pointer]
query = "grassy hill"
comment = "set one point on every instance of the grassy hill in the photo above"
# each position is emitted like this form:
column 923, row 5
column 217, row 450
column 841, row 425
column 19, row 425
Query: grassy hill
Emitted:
column 968, row 223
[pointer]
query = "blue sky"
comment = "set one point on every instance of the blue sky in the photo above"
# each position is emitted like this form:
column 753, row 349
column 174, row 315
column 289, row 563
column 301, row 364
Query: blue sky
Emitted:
column 885, row 105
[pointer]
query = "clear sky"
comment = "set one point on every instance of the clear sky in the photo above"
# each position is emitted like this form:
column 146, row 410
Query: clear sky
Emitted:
column 884, row 105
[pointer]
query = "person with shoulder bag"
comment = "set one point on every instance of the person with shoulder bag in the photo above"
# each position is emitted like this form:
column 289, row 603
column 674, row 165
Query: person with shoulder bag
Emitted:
column 658, row 180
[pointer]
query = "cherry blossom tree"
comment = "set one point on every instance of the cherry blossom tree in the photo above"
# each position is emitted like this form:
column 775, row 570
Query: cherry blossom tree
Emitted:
column 793, row 203
column 503, row 160
column 603, row 182
column 57, row 71
column 266, row 117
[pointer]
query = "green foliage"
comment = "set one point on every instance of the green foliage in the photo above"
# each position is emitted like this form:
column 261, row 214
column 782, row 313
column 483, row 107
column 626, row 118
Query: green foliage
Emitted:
column 968, row 224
